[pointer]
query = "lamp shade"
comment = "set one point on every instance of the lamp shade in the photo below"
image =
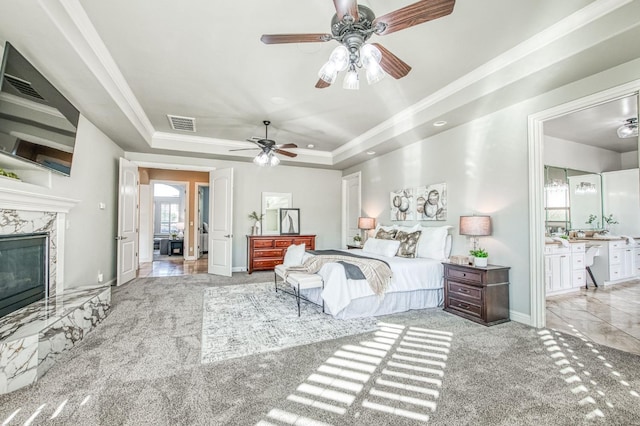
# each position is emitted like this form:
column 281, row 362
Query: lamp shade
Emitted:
column 475, row 225
column 366, row 223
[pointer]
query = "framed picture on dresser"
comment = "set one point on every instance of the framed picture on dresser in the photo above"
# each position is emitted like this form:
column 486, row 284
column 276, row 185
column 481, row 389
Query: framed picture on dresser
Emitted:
column 289, row 221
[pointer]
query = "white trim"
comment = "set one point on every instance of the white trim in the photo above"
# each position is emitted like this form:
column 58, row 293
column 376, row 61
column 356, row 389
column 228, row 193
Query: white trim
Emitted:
column 239, row 269
column 196, row 219
column 73, row 22
column 520, row 317
column 536, row 184
column 14, row 199
column 345, row 225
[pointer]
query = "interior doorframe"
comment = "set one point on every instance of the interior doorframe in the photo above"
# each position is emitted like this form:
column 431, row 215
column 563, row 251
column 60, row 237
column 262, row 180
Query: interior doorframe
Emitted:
column 345, row 225
column 536, row 187
column 196, row 216
column 186, row 240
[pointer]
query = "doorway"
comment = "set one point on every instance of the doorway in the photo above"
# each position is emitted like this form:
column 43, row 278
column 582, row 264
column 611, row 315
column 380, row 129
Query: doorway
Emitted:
column 202, row 220
column 169, row 218
column 591, row 312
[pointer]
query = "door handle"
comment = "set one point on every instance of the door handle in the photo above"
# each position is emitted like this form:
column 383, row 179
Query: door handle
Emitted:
column 228, row 236
column 121, row 238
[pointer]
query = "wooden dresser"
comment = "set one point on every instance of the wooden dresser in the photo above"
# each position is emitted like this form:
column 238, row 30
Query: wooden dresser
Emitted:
column 264, row 252
column 476, row 293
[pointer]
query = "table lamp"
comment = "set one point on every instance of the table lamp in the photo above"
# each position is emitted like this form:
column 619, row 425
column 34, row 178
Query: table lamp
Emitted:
column 366, row 223
column 475, row 226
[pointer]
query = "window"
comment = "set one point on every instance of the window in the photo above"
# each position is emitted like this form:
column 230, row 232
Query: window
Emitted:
column 169, row 217
column 169, row 209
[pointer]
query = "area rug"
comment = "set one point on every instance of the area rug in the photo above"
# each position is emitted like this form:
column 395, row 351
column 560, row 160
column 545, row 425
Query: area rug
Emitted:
column 249, row 319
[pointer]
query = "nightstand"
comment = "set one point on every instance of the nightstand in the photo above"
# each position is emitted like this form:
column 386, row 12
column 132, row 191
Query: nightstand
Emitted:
column 480, row 294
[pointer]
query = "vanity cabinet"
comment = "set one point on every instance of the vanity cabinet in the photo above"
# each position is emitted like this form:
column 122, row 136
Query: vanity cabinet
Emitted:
column 564, row 267
column 557, row 264
column 617, row 261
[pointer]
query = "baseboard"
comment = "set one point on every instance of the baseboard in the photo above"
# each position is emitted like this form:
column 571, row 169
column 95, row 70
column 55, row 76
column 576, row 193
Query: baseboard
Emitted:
column 520, row 317
column 146, row 260
column 239, row 269
column 111, row 282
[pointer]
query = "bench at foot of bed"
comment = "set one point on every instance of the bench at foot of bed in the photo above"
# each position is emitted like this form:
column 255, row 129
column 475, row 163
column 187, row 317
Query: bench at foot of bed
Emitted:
column 297, row 281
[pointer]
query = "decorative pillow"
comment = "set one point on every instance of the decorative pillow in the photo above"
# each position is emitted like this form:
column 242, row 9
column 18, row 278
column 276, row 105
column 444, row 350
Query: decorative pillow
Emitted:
column 387, row 248
column 383, row 234
column 294, row 255
column 433, row 242
column 409, row 229
column 408, row 243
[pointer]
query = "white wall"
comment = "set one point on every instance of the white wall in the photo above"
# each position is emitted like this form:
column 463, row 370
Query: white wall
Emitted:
column 90, row 245
column 629, row 160
column 571, row 155
column 316, row 192
column 485, row 165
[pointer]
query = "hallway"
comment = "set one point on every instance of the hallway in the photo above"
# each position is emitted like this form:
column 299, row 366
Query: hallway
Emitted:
column 167, row 266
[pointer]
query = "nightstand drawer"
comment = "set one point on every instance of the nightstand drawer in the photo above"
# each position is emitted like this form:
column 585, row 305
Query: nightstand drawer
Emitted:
column 461, row 290
column 471, row 276
column 466, row 307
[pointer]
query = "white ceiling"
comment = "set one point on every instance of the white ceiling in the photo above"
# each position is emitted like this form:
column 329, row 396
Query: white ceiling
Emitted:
column 598, row 125
column 126, row 64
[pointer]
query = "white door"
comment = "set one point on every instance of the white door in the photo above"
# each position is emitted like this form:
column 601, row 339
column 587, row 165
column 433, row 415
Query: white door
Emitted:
column 127, row 237
column 351, row 208
column 220, row 221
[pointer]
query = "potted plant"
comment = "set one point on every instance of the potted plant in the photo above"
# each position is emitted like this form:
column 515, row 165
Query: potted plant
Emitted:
column 357, row 240
column 609, row 220
column 255, row 230
column 480, row 257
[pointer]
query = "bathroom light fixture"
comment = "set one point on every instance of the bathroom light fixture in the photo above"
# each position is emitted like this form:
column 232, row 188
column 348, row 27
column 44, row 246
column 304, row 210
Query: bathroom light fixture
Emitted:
column 629, row 129
column 585, row 188
column 475, row 226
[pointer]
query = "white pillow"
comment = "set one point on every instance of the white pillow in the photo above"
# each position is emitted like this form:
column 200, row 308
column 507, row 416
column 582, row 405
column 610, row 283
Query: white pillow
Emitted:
column 386, row 248
column 433, row 241
column 294, row 255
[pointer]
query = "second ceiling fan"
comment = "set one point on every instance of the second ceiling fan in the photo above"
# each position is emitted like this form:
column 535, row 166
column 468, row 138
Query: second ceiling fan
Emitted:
column 269, row 148
column 352, row 26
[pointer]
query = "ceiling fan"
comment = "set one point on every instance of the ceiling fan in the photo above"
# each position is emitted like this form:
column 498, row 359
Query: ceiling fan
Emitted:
column 268, row 148
column 352, row 26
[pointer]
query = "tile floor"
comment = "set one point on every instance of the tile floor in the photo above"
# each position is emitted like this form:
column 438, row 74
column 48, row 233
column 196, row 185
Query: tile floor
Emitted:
column 166, row 266
column 605, row 315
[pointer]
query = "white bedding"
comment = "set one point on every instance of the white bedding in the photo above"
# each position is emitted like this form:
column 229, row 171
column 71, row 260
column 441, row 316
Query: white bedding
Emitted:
column 408, row 275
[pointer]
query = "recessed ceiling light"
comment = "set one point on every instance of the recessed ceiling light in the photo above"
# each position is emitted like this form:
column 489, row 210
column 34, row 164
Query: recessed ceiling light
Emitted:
column 440, row 123
column 371, row 152
column 278, row 100
column 311, row 145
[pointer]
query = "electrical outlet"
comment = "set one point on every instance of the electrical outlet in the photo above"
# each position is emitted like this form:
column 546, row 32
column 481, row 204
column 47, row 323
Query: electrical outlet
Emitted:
column 100, row 277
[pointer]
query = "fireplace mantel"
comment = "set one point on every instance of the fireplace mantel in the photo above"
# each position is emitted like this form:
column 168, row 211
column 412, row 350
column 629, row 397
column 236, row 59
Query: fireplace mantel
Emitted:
column 15, row 199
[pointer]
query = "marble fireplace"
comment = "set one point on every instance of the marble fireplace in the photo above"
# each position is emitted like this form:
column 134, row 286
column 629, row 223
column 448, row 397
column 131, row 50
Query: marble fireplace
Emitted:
column 33, row 336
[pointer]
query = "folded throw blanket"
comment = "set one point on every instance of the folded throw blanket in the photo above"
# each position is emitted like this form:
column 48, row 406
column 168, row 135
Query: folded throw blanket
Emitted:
column 377, row 272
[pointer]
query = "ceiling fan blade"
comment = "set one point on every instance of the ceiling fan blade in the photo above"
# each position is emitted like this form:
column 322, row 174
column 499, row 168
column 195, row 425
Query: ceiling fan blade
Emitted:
column 287, row 145
column 414, row 14
column 321, row 84
column 346, row 7
column 287, row 153
column 391, row 64
column 244, row 149
column 294, row 38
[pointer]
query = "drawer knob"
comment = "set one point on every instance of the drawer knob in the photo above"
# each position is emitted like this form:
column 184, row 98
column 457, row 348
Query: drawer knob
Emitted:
column 464, row 274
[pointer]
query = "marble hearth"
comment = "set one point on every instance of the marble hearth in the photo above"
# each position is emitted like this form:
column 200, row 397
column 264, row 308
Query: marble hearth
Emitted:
column 32, row 337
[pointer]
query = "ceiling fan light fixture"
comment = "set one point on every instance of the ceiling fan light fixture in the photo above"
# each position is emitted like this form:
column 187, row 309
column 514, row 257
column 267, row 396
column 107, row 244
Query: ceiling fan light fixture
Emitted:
column 374, row 72
column 261, row 159
column 629, row 129
column 328, row 72
column 340, row 58
column 273, row 160
column 351, row 80
column 370, row 55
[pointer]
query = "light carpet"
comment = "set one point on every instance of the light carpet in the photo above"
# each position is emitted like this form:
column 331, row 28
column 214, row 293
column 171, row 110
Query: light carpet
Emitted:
column 253, row 318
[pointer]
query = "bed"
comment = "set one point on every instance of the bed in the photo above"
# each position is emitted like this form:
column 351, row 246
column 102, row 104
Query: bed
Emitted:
column 416, row 283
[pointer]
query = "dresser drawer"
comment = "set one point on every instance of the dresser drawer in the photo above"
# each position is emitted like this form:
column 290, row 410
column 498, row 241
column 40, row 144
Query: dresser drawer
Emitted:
column 577, row 247
column 615, row 257
column 466, row 307
column 262, row 243
column 471, row 276
column 306, row 241
column 466, row 291
column 579, row 278
column 266, row 263
column 283, row 242
column 268, row 253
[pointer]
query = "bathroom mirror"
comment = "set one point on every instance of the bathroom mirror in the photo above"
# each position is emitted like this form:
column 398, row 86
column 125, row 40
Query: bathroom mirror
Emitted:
column 272, row 202
column 585, row 201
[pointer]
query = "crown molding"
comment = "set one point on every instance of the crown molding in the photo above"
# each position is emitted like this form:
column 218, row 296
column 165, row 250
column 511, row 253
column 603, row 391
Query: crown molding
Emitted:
column 73, row 22
column 15, row 199
column 559, row 30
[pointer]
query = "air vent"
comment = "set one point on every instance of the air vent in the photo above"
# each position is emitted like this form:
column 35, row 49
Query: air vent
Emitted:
column 185, row 124
column 23, row 87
